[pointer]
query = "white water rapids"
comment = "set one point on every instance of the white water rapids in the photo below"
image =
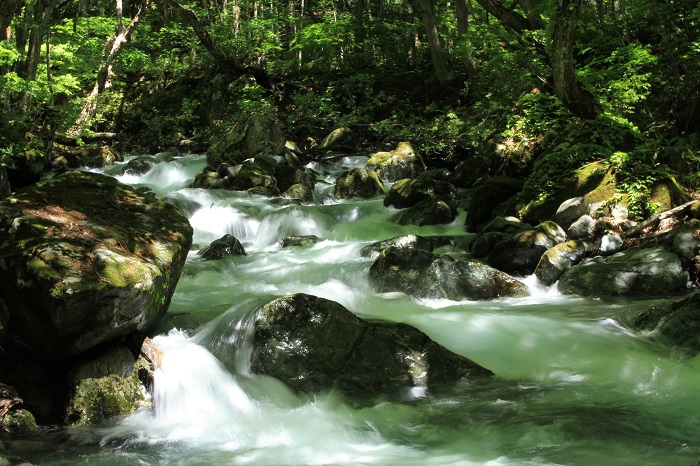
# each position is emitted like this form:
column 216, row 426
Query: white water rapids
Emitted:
column 574, row 385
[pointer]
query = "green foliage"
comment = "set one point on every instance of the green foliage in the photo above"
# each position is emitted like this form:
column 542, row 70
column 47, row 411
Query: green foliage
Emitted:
column 636, row 176
column 622, row 79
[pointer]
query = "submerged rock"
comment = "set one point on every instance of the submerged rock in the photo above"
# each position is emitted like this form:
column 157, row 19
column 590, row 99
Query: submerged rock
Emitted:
column 679, row 322
column 418, row 272
column 314, row 344
column 633, row 272
column 87, row 260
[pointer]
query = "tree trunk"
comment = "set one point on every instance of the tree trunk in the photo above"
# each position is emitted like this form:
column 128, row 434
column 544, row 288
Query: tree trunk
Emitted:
column 437, row 53
column 112, row 49
column 222, row 60
column 510, row 19
column 462, row 13
column 569, row 91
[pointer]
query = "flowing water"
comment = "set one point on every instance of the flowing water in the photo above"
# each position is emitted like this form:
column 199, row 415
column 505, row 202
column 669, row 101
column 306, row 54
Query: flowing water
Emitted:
column 574, row 385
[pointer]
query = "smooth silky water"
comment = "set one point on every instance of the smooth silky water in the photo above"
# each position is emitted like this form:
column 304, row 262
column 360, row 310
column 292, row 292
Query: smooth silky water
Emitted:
column 574, row 385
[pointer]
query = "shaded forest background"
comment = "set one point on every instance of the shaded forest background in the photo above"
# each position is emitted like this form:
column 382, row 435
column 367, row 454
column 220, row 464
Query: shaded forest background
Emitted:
column 524, row 88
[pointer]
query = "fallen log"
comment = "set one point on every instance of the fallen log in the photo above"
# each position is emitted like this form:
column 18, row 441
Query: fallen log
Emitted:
column 656, row 219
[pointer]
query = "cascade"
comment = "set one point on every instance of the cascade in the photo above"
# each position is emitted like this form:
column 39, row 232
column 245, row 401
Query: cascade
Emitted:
column 573, row 384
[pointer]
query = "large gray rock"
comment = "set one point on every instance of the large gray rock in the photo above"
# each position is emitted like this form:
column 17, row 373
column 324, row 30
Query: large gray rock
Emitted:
column 87, row 260
column 519, row 254
column 634, row 272
column 679, row 322
column 560, row 258
column 571, row 210
column 314, row 344
column 582, row 228
column 418, row 272
column 358, row 182
column 403, row 162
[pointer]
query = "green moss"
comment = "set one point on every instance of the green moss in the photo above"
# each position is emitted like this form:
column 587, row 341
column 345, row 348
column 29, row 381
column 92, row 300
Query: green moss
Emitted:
column 98, row 399
column 121, row 271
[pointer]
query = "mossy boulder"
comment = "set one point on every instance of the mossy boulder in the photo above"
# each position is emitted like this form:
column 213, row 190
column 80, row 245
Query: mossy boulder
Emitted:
column 358, row 182
column 403, row 162
column 314, row 344
column 632, row 272
column 409, row 192
column 430, row 211
column 86, row 260
column 678, row 322
column 335, row 138
column 560, row 258
column 104, row 387
column 420, row 273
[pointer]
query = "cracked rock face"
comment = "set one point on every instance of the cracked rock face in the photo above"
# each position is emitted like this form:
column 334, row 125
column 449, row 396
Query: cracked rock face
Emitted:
column 314, row 344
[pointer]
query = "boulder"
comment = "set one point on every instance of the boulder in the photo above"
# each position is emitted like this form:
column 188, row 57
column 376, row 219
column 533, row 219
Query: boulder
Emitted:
column 571, row 210
column 87, row 260
column 489, row 195
column 25, row 168
column 633, row 272
column 679, row 322
column 405, row 241
column 300, row 192
column 103, row 387
column 409, row 192
column 419, row 273
column 608, row 244
column 335, row 138
column 560, row 258
column 430, row 211
column 358, row 182
column 313, row 344
column 140, row 165
column 227, row 245
column 582, row 228
column 520, row 253
column 403, row 162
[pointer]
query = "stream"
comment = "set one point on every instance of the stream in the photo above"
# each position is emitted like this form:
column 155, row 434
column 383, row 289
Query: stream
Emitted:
column 574, row 384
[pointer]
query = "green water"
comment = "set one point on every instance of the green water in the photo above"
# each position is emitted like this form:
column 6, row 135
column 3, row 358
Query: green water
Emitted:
column 574, row 384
